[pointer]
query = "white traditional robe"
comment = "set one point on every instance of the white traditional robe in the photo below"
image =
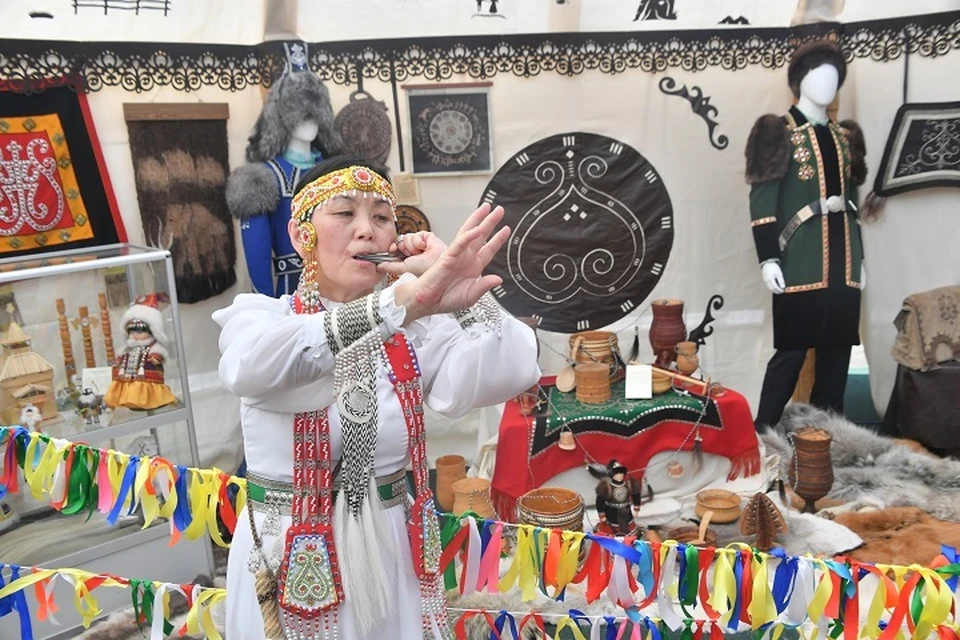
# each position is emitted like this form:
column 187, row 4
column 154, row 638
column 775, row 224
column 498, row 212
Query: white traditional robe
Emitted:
column 279, row 364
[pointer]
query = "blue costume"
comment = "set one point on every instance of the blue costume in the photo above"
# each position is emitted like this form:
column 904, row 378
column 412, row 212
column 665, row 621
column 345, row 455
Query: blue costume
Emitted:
column 266, row 242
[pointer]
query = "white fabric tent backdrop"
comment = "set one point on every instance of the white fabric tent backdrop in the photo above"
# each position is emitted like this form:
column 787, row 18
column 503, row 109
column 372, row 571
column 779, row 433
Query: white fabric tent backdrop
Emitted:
column 912, row 248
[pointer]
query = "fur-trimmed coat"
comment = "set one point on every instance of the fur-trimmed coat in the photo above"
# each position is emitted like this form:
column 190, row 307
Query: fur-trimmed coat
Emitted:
column 804, row 211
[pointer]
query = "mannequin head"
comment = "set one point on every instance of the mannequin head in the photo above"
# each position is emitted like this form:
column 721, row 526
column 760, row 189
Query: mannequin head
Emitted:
column 812, row 56
column 305, row 131
column 296, row 98
column 820, row 85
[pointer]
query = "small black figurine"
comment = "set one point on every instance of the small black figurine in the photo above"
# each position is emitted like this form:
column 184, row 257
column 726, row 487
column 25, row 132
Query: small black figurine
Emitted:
column 618, row 498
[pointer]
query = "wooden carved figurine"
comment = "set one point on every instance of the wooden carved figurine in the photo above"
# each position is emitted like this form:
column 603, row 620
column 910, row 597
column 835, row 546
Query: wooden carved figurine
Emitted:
column 87, row 338
column 763, row 519
column 69, row 364
column 138, row 380
column 105, row 327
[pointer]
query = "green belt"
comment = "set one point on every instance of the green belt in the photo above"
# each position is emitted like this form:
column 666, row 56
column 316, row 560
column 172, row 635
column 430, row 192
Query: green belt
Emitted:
column 391, row 487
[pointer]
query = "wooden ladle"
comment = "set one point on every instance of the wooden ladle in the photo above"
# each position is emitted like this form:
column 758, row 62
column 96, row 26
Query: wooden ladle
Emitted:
column 702, row 533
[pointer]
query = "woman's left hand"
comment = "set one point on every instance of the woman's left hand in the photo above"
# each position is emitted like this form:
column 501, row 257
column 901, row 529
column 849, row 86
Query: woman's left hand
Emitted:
column 422, row 250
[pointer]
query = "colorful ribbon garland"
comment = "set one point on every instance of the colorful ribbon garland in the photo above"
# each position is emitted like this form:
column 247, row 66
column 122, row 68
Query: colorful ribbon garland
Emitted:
column 150, row 599
column 77, row 478
column 750, row 589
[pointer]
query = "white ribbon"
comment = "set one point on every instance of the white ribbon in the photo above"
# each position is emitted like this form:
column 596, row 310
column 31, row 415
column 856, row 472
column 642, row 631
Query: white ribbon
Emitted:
column 473, row 559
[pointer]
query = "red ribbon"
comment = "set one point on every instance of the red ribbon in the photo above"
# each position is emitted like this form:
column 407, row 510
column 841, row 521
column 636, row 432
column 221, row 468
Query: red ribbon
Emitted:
column 461, row 628
column 227, row 514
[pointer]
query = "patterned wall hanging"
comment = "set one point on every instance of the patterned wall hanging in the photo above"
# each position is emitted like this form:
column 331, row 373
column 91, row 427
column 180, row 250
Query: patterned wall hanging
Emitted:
column 54, row 190
column 592, row 229
column 364, row 126
column 450, row 129
column 411, row 220
column 181, row 167
column 923, row 149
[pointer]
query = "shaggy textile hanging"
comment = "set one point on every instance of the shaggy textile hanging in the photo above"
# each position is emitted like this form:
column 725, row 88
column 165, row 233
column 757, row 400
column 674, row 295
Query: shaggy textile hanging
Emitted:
column 181, row 172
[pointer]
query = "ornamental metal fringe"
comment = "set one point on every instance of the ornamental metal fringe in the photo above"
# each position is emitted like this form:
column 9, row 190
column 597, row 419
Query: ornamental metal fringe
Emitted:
column 27, row 66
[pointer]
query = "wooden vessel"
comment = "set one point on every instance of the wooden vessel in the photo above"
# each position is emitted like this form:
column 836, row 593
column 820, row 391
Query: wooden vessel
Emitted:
column 593, row 382
column 811, row 469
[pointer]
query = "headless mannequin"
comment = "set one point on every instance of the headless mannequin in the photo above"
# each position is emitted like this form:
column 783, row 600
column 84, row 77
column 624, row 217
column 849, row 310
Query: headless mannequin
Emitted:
column 817, row 92
column 810, row 301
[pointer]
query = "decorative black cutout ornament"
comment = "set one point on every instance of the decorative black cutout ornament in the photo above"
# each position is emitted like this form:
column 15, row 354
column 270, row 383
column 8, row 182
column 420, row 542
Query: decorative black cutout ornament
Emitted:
column 732, row 20
column 703, row 330
column 591, row 231
column 923, row 149
column 29, row 65
column 700, row 105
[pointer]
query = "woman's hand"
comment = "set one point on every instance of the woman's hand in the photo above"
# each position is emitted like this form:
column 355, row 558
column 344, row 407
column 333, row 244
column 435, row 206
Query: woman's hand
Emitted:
column 455, row 280
column 422, row 249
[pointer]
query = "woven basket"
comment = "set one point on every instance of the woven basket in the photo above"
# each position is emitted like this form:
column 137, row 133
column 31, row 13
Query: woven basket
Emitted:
column 552, row 508
column 597, row 346
column 593, row 382
column 473, row 494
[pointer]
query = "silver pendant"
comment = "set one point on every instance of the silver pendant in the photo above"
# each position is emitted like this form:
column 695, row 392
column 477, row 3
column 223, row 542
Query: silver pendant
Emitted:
column 253, row 561
column 357, row 401
column 271, row 526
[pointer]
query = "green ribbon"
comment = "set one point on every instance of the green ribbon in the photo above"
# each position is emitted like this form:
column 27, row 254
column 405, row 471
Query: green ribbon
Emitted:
column 449, row 529
column 135, row 586
column 80, row 481
column 916, row 601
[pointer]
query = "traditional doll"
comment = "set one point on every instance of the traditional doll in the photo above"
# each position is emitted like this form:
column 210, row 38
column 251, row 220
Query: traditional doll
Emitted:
column 618, row 499
column 90, row 407
column 293, row 133
column 138, row 381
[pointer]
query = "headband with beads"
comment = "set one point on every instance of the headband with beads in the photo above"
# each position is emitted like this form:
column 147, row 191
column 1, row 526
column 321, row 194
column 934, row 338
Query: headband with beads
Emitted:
column 348, row 181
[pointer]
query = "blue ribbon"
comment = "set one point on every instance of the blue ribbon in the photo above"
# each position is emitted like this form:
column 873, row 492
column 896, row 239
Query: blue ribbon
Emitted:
column 181, row 515
column 504, row 618
column 6, row 604
column 19, row 601
column 129, row 477
column 785, row 578
column 616, row 547
column 738, row 601
column 611, row 626
column 950, row 553
column 645, row 566
column 842, row 570
column 653, row 627
column 576, row 615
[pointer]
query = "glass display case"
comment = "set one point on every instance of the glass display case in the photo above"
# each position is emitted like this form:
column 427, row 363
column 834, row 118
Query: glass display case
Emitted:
column 91, row 351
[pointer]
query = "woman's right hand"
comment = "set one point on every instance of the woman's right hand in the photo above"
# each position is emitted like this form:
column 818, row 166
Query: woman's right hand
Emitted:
column 456, row 281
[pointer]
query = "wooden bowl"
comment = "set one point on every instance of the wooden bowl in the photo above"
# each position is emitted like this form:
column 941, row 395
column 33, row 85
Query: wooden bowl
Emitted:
column 661, row 382
column 687, row 535
column 724, row 504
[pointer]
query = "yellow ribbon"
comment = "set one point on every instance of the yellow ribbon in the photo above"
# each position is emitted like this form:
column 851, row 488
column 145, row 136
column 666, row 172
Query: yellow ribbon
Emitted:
column 823, row 592
column 148, row 503
column 567, row 621
column 569, row 557
column 762, row 608
column 524, row 533
column 936, row 602
column 528, row 565
column 724, row 586
column 199, row 618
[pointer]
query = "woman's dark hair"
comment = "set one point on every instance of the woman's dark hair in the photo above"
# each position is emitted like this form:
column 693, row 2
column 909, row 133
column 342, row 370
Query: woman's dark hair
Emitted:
column 336, row 163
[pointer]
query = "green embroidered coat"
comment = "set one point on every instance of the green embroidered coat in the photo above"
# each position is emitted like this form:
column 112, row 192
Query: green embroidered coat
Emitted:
column 794, row 166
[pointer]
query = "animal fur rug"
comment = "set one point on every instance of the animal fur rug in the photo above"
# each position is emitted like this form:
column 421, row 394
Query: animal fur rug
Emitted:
column 872, row 471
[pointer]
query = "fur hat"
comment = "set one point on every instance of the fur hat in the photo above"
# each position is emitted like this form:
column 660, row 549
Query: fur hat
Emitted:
column 811, row 55
column 614, row 467
column 298, row 95
column 145, row 309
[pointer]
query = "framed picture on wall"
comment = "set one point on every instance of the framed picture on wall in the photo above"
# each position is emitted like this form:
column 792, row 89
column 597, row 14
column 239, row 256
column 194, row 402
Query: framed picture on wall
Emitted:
column 450, row 128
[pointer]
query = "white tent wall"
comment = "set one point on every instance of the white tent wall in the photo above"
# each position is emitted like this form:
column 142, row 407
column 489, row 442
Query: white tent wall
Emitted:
column 915, row 243
column 912, row 248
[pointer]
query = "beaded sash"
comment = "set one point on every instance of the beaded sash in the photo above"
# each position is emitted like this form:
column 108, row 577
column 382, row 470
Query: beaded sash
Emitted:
column 310, row 588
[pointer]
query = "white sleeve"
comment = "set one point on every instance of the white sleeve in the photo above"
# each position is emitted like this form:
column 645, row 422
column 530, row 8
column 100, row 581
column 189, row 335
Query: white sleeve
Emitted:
column 477, row 367
column 266, row 348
